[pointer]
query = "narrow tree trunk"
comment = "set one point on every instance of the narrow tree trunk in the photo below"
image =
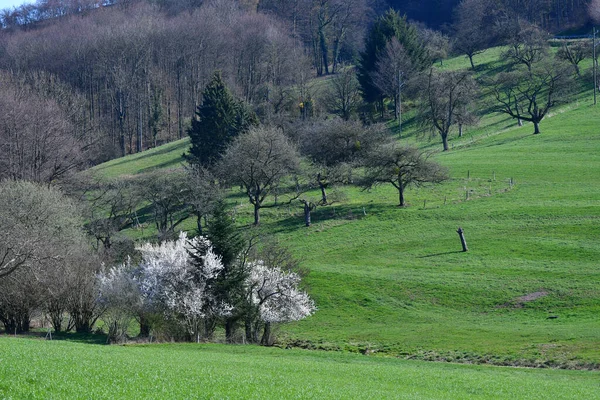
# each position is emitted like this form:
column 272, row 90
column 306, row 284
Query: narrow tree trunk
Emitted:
column 445, row 141
column 307, row 213
column 144, row 327
column 536, row 126
column 401, row 192
column 248, row 328
column 229, row 330
column 460, row 130
column 471, row 61
column 266, row 337
column 322, row 187
column 256, row 214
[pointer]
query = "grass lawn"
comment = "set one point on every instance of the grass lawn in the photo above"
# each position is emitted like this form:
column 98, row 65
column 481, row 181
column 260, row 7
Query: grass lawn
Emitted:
column 59, row 369
column 393, row 280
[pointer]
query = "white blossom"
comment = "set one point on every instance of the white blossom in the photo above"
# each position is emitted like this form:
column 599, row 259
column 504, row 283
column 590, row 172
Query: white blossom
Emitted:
column 276, row 294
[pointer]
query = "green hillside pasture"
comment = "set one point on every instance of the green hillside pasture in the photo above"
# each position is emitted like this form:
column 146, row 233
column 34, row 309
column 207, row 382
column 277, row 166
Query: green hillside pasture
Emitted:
column 527, row 293
column 36, row 369
column 167, row 156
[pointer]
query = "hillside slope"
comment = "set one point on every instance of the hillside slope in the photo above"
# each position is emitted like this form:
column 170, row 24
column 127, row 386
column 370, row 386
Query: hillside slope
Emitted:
column 394, row 280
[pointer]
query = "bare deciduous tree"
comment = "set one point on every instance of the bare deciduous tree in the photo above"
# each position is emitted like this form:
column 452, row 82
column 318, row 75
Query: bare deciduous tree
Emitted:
column 394, row 69
column 529, row 95
column 343, row 95
column 444, row 101
column 402, row 167
column 258, row 161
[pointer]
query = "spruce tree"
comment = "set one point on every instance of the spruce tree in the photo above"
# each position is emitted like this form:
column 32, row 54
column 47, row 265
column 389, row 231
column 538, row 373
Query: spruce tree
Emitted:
column 219, row 119
column 386, row 27
column 229, row 243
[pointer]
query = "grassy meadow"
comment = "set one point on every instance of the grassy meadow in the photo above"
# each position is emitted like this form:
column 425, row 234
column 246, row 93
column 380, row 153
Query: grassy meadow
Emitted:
column 58, row 369
column 392, row 283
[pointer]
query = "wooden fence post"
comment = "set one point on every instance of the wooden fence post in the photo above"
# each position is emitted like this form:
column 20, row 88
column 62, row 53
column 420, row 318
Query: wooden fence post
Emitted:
column 461, row 234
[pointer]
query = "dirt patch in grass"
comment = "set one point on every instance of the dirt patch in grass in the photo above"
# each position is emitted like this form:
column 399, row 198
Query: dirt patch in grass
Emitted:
column 531, row 297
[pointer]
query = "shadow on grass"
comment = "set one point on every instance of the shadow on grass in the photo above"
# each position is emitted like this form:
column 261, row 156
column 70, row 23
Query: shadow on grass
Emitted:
column 86, row 338
column 441, row 254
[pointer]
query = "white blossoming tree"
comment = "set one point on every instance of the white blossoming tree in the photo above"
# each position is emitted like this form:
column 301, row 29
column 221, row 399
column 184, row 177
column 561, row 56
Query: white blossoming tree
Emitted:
column 275, row 298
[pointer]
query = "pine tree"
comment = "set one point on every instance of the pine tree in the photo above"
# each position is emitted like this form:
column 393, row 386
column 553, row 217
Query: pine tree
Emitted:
column 229, row 243
column 219, row 119
column 388, row 26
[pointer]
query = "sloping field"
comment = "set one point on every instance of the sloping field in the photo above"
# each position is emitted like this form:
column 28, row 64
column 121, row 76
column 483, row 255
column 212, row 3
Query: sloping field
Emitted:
column 394, row 280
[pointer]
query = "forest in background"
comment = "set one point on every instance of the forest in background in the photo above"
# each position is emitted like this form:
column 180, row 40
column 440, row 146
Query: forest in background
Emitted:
column 88, row 81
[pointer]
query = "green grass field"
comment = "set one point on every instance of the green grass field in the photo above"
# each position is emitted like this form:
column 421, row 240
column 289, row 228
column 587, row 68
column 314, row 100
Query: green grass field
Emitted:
column 393, row 282
column 58, row 369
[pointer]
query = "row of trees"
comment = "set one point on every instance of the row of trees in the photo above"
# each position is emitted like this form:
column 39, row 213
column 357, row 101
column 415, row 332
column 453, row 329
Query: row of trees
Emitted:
column 46, row 266
column 180, row 289
column 554, row 15
column 187, row 289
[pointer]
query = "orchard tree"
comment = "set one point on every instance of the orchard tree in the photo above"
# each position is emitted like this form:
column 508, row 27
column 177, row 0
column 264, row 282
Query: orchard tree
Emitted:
column 276, row 298
column 402, row 167
column 473, row 27
column 343, row 94
column 527, row 44
column 175, row 277
column 529, row 95
column 574, row 53
column 445, row 100
column 334, row 147
column 218, row 120
column 258, row 161
column 167, row 193
column 38, row 224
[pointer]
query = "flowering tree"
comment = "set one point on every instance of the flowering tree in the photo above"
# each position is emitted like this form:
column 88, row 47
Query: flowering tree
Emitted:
column 121, row 297
column 170, row 282
column 275, row 297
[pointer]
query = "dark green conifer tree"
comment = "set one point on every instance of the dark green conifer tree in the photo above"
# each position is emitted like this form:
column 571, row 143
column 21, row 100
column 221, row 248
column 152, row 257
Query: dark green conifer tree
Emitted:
column 230, row 244
column 219, row 119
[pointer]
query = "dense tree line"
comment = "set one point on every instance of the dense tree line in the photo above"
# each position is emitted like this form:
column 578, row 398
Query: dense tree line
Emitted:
column 141, row 73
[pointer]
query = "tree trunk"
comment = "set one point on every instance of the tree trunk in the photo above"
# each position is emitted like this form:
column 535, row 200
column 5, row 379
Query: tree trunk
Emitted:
column 445, row 141
column 248, row 327
column 199, row 223
column 471, row 61
column 229, row 330
column 460, row 130
column 322, row 187
column 401, row 192
column 463, row 242
column 536, row 126
column 144, row 327
column 307, row 213
column 266, row 337
column 256, row 214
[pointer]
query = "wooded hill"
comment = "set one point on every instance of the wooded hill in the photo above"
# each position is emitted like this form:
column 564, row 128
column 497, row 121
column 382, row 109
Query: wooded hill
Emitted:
column 119, row 77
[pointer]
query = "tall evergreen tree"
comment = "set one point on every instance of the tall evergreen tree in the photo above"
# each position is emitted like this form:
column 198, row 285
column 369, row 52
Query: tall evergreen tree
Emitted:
column 219, row 119
column 229, row 243
column 386, row 27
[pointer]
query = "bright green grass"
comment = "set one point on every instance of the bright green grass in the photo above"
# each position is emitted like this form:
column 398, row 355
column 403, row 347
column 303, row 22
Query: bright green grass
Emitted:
column 394, row 281
column 57, row 370
column 167, row 156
